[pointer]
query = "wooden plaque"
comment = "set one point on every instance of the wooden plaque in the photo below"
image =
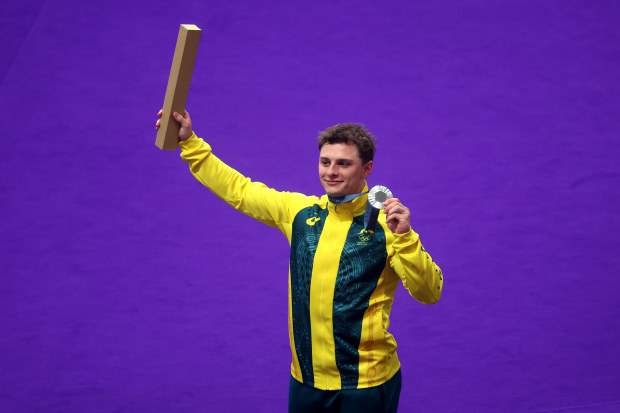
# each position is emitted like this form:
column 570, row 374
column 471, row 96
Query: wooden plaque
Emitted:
column 178, row 85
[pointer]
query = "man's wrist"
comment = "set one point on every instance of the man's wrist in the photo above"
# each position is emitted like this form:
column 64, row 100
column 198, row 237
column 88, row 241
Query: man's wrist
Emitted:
column 188, row 136
column 181, row 143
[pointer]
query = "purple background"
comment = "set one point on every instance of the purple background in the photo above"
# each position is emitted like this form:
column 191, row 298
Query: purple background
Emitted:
column 127, row 287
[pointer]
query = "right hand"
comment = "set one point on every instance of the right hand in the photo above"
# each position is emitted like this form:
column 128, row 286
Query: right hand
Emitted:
column 185, row 122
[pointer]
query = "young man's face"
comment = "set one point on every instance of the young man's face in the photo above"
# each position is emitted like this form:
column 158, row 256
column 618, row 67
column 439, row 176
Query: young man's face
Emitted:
column 341, row 169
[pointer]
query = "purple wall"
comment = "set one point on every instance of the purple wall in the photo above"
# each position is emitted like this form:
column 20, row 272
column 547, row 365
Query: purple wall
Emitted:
column 126, row 286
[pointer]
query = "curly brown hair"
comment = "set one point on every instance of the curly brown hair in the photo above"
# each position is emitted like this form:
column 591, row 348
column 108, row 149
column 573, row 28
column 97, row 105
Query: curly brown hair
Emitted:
column 350, row 133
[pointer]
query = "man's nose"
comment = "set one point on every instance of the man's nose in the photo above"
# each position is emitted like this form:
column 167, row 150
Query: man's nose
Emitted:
column 332, row 170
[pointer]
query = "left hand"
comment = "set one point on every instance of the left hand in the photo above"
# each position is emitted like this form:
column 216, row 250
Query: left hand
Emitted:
column 398, row 217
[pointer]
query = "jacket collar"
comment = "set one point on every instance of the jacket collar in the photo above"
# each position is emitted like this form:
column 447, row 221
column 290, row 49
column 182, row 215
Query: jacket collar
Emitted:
column 351, row 208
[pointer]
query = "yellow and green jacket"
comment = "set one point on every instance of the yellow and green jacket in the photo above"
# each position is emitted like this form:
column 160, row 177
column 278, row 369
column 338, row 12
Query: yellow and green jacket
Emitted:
column 342, row 278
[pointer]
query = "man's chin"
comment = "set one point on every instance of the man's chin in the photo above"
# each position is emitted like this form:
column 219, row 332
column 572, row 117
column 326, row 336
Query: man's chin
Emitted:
column 334, row 192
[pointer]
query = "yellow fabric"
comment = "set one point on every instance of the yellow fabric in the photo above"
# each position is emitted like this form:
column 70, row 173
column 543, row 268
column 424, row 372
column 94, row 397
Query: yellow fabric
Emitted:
column 407, row 261
column 324, row 272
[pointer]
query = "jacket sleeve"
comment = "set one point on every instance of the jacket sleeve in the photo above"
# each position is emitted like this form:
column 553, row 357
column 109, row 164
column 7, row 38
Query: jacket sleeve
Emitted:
column 252, row 198
column 415, row 267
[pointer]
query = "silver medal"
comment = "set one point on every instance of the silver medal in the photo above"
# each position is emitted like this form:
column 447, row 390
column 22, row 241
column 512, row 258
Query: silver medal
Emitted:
column 377, row 196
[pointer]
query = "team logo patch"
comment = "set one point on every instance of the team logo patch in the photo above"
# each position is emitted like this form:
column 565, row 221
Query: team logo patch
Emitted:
column 312, row 220
column 364, row 237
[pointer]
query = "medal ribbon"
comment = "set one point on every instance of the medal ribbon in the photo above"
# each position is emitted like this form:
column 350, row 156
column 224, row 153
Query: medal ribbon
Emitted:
column 377, row 195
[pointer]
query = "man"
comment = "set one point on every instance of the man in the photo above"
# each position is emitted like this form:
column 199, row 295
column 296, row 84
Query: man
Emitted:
column 342, row 275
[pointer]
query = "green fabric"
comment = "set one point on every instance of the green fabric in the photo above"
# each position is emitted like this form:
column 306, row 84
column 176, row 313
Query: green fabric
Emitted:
column 304, row 242
column 362, row 260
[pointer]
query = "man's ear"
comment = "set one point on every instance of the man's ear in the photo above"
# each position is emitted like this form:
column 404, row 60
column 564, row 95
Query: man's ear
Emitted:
column 367, row 169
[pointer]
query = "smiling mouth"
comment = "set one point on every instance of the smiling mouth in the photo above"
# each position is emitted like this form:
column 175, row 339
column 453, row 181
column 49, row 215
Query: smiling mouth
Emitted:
column 333, row 182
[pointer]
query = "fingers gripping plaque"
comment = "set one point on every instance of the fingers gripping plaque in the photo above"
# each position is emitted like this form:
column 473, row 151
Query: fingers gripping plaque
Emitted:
column 377, row 196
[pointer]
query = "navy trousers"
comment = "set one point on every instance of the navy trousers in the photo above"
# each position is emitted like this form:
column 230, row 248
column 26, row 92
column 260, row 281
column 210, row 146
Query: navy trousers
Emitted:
column 378, row 399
